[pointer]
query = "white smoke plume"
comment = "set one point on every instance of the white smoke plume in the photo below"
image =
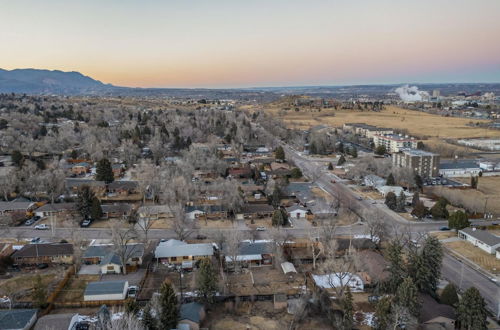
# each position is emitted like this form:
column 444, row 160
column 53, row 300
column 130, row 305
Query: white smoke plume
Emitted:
column 411, row 93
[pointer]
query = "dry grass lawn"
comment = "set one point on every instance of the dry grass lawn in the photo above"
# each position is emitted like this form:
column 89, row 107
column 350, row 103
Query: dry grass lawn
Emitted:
column 476, row 255
column 416, row 122
column 74, row 289
column 443, row 234
column 202, row 224
column 22, row 285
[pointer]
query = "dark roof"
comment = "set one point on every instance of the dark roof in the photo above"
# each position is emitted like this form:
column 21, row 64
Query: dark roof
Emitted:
column 54, row 321
column 251, row 248
column 57, row 207
column 191, row 311
column 356, row 243
column 256, row 208
column 205, row 208
column 111, row 258
column 106, row 287
column 113, row 208
column 458, row 165
column 16, row 318
column 15, row 206
column 44, row 250
column 127, row 185
column 482, row 235
column 100, row 251
column 432, row 309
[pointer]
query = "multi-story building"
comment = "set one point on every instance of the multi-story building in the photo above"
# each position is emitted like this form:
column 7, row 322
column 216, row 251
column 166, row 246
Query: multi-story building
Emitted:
column 366, row 130
column 394, row 142
column 423, row 163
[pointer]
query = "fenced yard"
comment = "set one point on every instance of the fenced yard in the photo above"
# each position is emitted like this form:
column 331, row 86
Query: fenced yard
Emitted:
column 476, row 255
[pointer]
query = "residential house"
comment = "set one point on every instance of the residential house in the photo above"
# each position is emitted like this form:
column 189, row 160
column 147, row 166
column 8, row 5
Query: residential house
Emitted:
column 122, row 188
column 119, row 210
column 253, row 211
column 57, row 210
column 423, row 163
column 280, row 169
column 208, row 211
column 179, row 252
column 155, row 212
column 18, row 319
column 109, row 260
column 80, row 168
column 394, row 142
column 16, row 207
column 250, row 254
column 481, row 238
column 191, row 316
column 47, row 253
column 297, row 212
column 462, row 168
column 118, row 170
column 436, row 316
column 240, row 172
column 106, row 290
column 73, row 185
column 384, row 190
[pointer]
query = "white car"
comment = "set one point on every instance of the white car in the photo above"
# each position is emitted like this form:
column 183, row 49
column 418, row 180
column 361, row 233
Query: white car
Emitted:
column 42, row 227
column 260, row 228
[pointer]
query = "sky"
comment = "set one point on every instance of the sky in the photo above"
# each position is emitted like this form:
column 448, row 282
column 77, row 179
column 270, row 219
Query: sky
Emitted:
column 255, row 43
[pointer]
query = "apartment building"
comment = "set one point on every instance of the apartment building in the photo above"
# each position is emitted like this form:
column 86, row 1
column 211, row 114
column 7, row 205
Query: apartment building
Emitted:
column 423, row 163
column 365, row 130
column 394, row 142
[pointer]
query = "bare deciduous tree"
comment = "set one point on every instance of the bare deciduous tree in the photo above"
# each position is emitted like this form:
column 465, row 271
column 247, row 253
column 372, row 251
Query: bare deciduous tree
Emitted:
column 121, row 237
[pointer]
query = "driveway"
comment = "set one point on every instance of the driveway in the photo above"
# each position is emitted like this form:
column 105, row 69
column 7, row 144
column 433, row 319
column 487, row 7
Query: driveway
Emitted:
column 133, row 278
column 89, row 270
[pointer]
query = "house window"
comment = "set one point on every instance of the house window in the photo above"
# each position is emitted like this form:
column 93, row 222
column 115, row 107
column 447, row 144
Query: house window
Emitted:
column 185, row 257
column 110, row 267
column 173, row 259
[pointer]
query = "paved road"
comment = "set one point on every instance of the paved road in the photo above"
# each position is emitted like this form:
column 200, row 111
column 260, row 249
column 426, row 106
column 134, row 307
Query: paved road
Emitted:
column 454, row 270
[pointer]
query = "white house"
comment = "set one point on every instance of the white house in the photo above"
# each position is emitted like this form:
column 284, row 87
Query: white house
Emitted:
column 296, row 212
column 384, row 190
column 111, row 264
column 498, row 253
column 481, row 238
column 108, row 290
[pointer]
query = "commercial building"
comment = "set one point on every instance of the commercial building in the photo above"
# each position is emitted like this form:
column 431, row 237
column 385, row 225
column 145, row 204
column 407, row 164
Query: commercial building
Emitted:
column 423, row 163
column 394, row 142
column 459, row 168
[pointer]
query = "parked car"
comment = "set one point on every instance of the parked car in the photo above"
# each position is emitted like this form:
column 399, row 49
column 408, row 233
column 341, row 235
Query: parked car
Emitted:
column 133, row 290
column 42, row 227
column 29, row 222
column 86, row 223
column 260, row 228
column 36, row 217
column 35, row 240
column 42, row 266
column 444, row 228
column 199, row 236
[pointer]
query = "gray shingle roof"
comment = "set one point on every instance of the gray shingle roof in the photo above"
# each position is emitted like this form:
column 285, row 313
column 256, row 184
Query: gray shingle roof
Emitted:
column 15, row 206
column 106, row 287
column 100, row 251
column 57, row 207
column 191, row 311
column 44, row 250
column 252, row 248
column 16, row 318
column 180, row 250
column 482, row 235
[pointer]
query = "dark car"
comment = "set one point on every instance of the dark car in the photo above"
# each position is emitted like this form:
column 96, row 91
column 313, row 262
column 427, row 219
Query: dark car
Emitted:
column 36, row 217
column 86, row 223
column 42, row 266
column 29, row 222
column 444, row 228
column 200, row 236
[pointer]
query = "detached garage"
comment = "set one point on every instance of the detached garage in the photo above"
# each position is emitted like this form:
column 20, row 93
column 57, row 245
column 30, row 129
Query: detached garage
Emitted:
column 109, row 290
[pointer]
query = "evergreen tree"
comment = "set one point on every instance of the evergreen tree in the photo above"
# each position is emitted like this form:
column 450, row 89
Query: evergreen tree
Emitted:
column 104, row 172
column 312, row 149
column 391, row 200
column 341, row 147
column 449, row 295
column 148, row 321
column 96, row 209
column 407, row 296
column 74, row 154
column 425, row 266
column 418, row 181
column 131, row 307
column 415, row 199
column 471, row 311
column 17, row 158
column 390, row 180
column 296, row 173
column 420, row 211
column 279, row 153
column 383, row 313
column 276, row 197
column 397, row 270
column 84, row 201
column 401, row 202
column 380, row 150
column 474, row 180
column 277, row 219
column 39, row 294
column 439, row 210
column 330, row 165
column 458, row 220
column 169, row 311
column 207, row 282
column 347, row 309
column 354, row 152
column 341, row 160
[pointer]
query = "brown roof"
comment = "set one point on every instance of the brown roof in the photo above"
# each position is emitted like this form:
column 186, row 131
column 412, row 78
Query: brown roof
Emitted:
column 257, row 208
column 57, row 207
column 432, row 309
column 373, row 264
column 44, row 250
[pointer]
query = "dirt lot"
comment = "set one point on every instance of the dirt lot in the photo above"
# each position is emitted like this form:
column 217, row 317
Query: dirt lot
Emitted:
column 443, row 234
column 476, row 255
column 266, row 280
column 21, row 284
column 215, row 224
column 264, row 222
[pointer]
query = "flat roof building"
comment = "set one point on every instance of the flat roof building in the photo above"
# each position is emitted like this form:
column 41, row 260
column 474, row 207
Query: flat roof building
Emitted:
column 423, row 163
column 394, row 142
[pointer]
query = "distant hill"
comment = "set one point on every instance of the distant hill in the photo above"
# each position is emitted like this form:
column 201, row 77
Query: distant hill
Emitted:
column 34, row 81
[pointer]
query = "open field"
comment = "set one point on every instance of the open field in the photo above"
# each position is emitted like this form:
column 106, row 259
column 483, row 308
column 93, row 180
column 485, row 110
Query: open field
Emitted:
column 476, row 255
column 443, row 234
column 21, row 285
column 488, row 185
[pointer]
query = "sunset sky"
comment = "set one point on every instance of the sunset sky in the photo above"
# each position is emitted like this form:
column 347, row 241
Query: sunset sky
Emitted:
column 238, row 43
